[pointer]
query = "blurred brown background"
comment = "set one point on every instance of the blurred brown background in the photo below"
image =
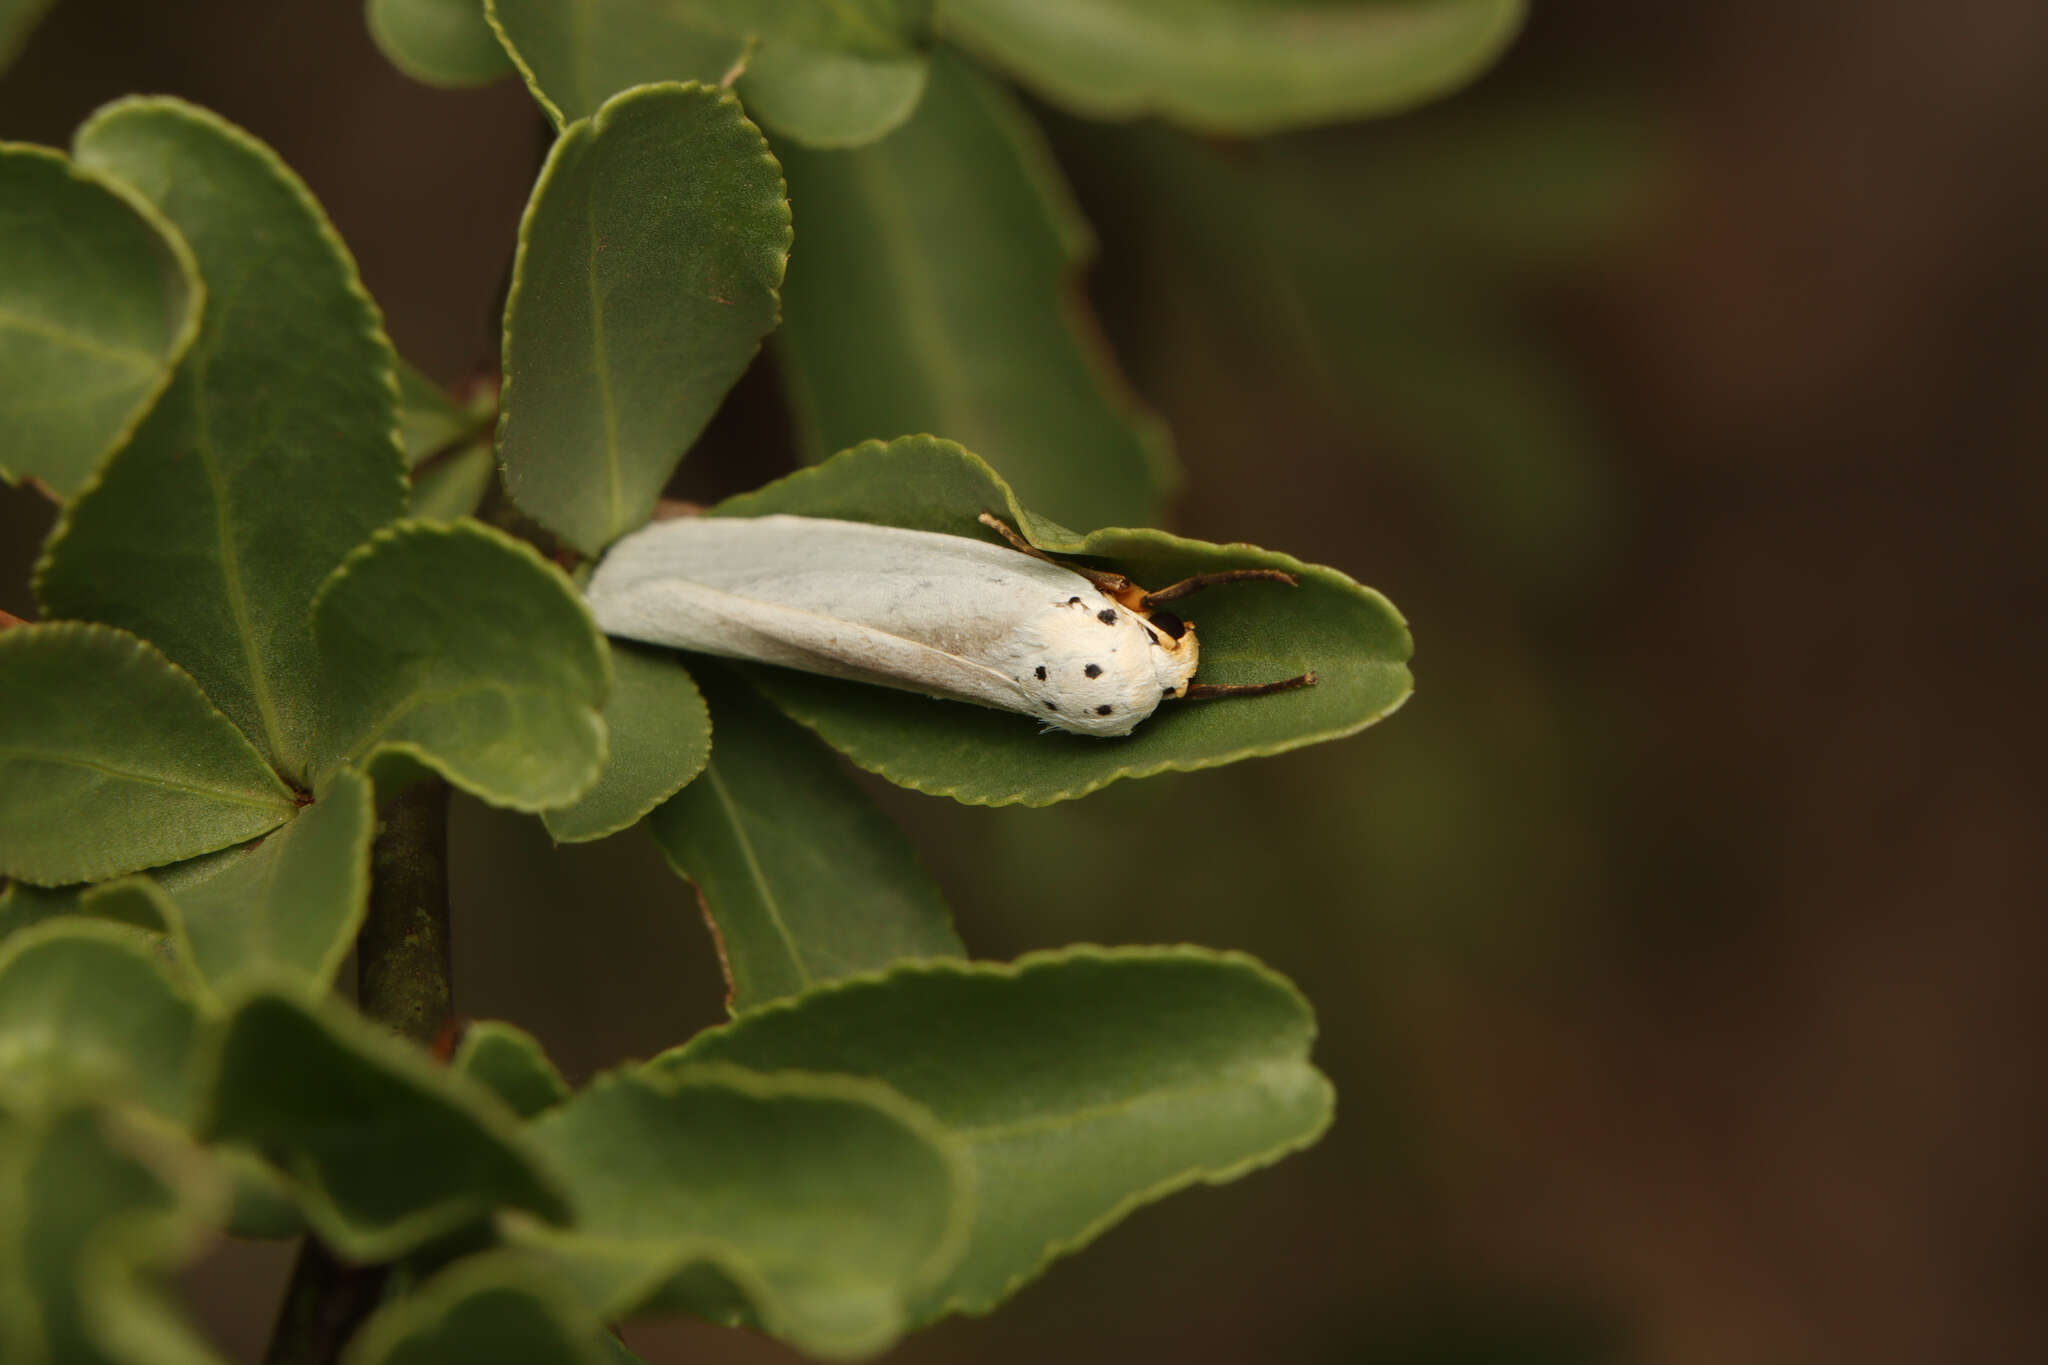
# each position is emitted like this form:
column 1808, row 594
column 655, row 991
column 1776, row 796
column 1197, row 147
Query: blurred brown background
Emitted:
column 1676, row 948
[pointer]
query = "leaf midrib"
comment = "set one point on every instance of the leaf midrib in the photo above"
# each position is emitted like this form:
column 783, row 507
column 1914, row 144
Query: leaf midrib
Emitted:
column 757, row 873
column 1231, row 1080
column 141, row 361
column 232, row 588
column 241, row 798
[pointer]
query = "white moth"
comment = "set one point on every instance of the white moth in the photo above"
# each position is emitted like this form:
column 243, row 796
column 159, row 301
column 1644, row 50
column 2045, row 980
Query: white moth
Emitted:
column 944, row 615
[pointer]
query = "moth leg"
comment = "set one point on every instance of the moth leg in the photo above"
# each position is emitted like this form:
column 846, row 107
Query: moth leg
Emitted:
column 1210, row 580
column 1212, row 691
column 1112, row 583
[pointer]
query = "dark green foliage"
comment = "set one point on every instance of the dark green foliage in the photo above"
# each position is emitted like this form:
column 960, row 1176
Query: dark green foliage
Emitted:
column 252, row 654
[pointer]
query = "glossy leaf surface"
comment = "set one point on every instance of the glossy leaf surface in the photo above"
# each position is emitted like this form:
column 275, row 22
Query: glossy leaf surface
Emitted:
column 111, row 759
column 802, row 878
column 1084, row 1082
column 938, row 295
column 1348, row 635
column 99, row 299
column 271, row 455
column 647, row 273
column 658, row 734
column 1237, row 66
column 458, row 646
column 818, row 1207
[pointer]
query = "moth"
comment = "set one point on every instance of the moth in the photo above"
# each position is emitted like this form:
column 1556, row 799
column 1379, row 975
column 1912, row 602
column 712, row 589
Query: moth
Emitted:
column 949, row 616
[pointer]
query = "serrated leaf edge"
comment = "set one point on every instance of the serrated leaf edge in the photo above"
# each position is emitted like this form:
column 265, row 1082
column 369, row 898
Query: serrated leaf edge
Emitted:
column 195, row 302
column 621, row 827
column 388, row 1052
column 361, row 758
column 548, row 107
column 1022, row 967
column 678, row 1254
column 478, row 1031
column 590, row 127
column 1094, row 545
column 352, row 281
column 107, row 870
column 429, row 1305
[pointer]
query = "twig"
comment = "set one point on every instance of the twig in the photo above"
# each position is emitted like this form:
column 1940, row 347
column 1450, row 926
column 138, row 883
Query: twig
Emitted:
column 402, row 980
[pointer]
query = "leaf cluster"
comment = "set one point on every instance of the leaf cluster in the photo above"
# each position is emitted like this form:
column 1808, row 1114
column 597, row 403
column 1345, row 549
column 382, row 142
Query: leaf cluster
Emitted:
column 268, row 607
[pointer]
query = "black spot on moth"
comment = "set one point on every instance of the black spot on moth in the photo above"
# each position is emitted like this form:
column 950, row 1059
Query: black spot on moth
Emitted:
column 1040, row 671
column 1106, row 616
column 1052, row 706
column 1093, row 670
column 1104, row 710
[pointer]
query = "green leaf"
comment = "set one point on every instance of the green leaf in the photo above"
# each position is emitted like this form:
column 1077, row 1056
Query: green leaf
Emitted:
column 428, row 419
column 658, row 735
column 111, row 759
column 453, row 485
column 23, row 906
column 92, row 1206
column 263, row 1206
column 84, row 1003
column 1084, row 1082
column 646, row 276
column 803, row 879
column 441, row 42
column 132, row 901
column 576, row 54
column 271, row 455
column 818, row 1207
column 828, row 98
column 1237, row 66
column 99, row 300
column 1348, row 635
column 827, row 72
column 290, row 904
column 17, row 21
column 940, row 296
column 386, row 1150
column 458, row 646
column 501, row 1307
column 510, row 1063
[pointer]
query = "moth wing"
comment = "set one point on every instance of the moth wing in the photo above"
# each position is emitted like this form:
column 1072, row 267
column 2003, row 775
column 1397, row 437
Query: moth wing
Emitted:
column 938, row 614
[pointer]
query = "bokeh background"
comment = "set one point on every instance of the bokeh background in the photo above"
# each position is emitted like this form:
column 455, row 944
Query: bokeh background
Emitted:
column 1678, row 947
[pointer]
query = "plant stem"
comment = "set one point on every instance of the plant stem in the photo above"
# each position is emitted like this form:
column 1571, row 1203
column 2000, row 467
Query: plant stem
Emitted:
column 323, row 1305
column 402, row 964
column 402, row 980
